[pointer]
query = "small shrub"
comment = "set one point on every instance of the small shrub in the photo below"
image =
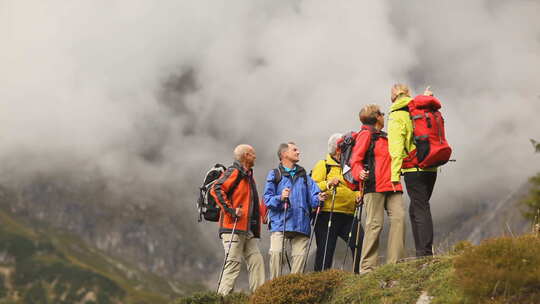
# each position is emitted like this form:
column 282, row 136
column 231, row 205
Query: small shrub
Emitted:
column 36, row 294
column 3, row 289
column 506, row 270
column 461, row 247
column 213, row 298
column 299, row 288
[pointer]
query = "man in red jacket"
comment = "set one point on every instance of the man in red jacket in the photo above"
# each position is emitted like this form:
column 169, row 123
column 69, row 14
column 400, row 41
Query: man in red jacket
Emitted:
column 236, row 193
column 370, row 163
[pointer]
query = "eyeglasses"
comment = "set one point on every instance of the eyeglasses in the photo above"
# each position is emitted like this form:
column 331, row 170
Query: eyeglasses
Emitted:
column 380, row 113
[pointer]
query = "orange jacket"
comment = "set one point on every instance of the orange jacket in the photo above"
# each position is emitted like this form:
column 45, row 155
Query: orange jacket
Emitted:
column 236, row 189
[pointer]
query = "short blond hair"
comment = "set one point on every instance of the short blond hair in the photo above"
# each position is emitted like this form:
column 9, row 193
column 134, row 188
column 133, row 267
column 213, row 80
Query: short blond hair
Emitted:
column 368, row 114
column 399, row 89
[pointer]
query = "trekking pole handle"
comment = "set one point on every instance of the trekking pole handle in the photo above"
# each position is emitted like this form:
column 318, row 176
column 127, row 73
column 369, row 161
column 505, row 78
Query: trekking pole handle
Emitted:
column 236, row 216
column 286, row 203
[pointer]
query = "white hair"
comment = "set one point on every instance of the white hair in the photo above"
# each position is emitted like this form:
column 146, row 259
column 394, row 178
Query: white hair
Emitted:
column 332, row 143
column 240, row 151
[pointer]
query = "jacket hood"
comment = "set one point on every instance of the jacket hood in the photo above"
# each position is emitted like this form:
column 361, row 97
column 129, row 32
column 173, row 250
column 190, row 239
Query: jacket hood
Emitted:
column 401, row 101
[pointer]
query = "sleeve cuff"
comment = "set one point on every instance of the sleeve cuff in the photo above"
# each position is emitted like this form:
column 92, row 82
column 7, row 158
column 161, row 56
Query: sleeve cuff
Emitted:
column 231, row 211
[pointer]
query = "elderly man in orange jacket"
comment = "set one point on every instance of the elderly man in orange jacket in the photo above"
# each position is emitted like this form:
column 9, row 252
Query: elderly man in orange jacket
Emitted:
column 236, row 193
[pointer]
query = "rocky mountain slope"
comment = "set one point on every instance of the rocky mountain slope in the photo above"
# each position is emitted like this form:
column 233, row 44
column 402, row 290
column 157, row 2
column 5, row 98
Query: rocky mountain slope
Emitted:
column 50, row 266
column 143, row 229
column 483, row 220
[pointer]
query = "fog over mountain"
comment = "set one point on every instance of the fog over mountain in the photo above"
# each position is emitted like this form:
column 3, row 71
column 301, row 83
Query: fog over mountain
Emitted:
column 148, row 94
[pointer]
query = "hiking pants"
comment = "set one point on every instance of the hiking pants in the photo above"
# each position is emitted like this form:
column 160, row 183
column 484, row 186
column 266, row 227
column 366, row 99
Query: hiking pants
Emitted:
column 341, row 226
column 375, row 204
column 242, row 247
column 299, row 243
column 419, row 188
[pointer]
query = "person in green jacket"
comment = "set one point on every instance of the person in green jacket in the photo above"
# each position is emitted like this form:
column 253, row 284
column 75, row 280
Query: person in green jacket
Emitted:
column 419, row 182
column 328, row 175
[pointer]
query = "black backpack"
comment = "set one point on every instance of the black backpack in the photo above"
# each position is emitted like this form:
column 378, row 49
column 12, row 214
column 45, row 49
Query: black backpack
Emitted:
column 346, row 145
column 206, row 204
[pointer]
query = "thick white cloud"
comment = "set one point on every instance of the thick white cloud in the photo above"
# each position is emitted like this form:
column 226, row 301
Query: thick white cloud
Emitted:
column 83, row 82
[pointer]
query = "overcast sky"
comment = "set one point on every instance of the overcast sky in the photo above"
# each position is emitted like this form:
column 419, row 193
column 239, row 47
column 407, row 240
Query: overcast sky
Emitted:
column 158, row 91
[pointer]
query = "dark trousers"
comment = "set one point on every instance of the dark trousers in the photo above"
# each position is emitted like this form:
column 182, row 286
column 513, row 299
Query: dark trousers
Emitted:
column 341, row 227
column 419, row 188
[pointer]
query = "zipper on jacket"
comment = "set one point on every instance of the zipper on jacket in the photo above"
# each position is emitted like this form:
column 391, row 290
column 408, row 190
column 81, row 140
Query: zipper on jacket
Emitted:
column 249, row 206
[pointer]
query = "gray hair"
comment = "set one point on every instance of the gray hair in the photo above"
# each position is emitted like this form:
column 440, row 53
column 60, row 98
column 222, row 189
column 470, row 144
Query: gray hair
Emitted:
column 332, row 143
column 283, row 147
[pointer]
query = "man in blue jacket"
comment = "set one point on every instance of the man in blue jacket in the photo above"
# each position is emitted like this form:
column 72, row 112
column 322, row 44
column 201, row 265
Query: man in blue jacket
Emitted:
column 290, row 186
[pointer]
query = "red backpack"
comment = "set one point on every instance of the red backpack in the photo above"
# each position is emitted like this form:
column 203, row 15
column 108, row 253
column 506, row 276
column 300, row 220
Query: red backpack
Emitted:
column 432, row 149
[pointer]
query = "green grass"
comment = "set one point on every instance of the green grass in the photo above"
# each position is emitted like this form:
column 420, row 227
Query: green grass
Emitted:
column 401, row 283
column 213, row 298
column 501, row 270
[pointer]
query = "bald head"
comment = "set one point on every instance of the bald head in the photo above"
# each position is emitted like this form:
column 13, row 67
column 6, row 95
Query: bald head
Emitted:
column 245, row 154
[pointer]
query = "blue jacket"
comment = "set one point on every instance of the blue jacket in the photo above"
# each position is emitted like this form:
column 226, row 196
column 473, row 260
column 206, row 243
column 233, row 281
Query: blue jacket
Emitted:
column 302, row 200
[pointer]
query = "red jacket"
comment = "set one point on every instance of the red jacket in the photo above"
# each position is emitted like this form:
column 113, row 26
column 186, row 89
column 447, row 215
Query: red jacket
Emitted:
column 370, row 152
column 243, row 196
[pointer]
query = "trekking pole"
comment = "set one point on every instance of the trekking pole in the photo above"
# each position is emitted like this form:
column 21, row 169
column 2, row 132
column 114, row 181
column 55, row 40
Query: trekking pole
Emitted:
column 536, row 226
column 349, row 237
column 311, row 237
column 288, row 261
column 286, row 206
column 329, row 225
column 227, row 254
column 359, row 218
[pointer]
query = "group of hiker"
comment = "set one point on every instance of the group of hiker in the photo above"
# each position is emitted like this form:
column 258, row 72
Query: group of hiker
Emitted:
column 361, row 171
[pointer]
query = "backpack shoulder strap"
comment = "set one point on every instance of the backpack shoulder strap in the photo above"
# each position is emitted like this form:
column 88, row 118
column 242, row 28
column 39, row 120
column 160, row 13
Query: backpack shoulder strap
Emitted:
column 328, row 167
column 277, row 176
column 405, row 108
column 308, row 190
column 370, row 151
column 235, row 183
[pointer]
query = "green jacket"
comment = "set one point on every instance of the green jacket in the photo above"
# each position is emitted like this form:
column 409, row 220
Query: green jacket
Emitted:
column 400, row 137
column 345, row 198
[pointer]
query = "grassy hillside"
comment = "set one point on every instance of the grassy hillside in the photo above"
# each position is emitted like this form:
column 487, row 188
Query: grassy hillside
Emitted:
column 48, row 266
column 502, row 270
